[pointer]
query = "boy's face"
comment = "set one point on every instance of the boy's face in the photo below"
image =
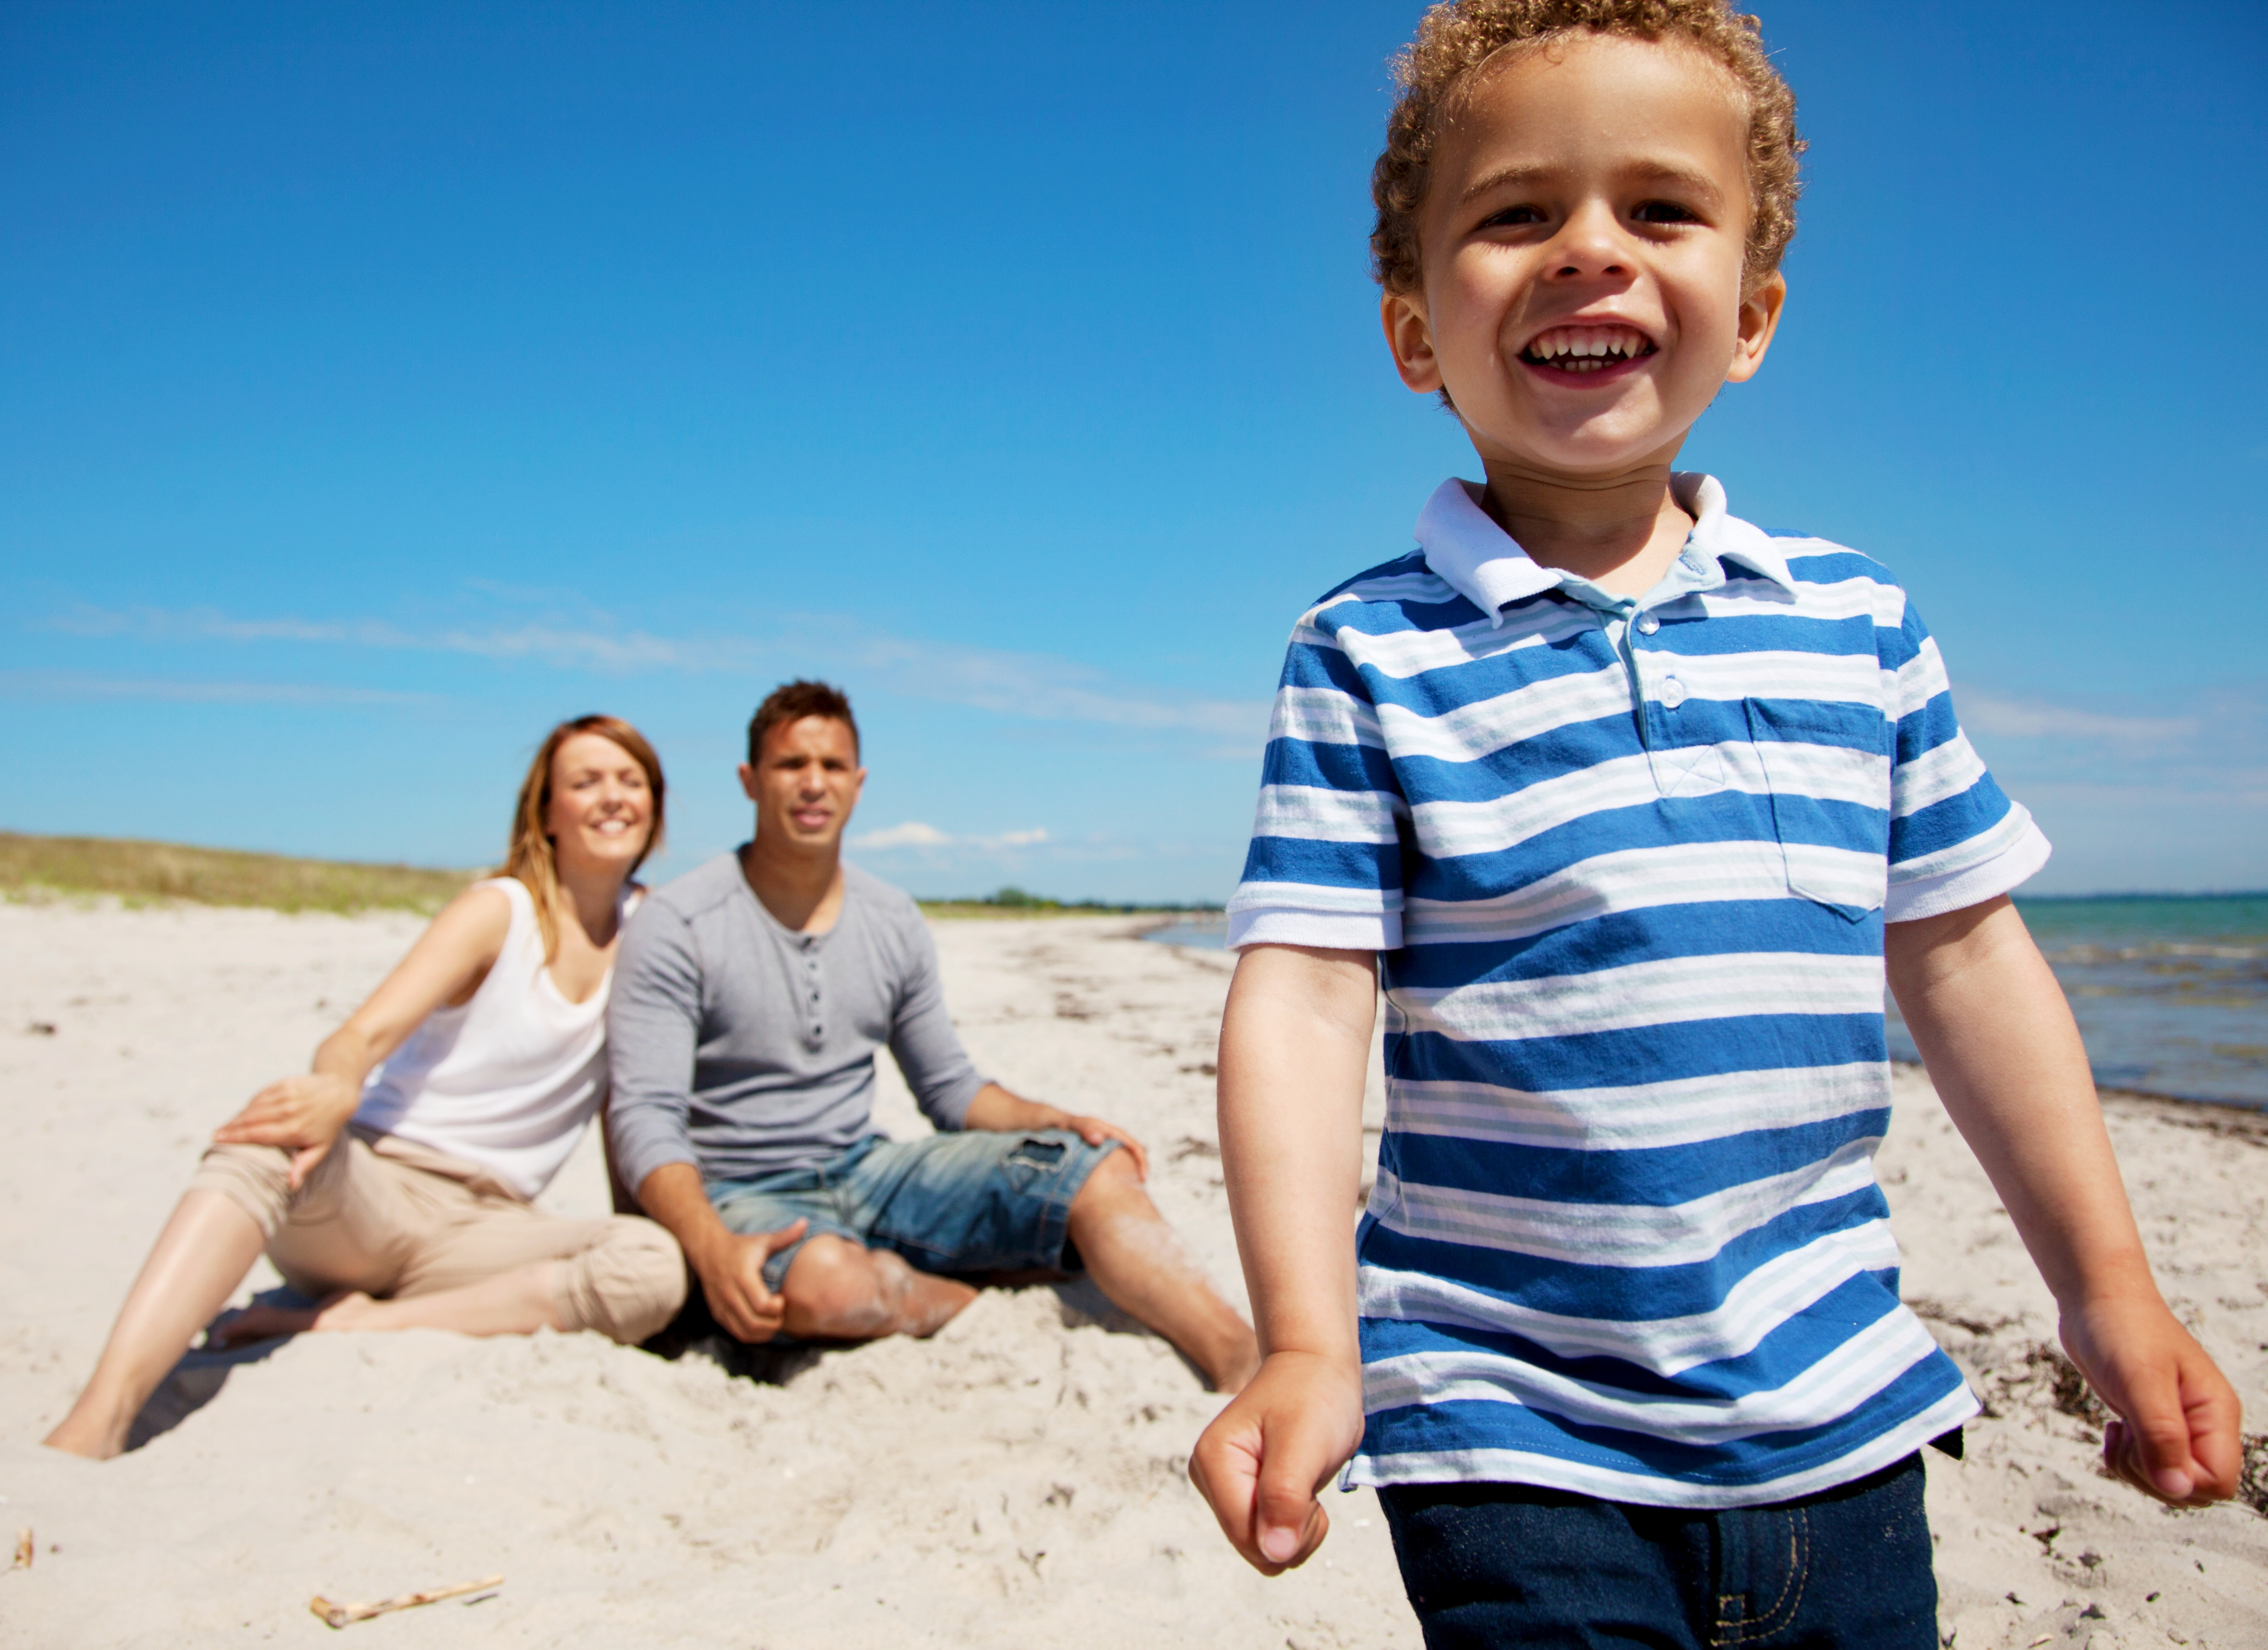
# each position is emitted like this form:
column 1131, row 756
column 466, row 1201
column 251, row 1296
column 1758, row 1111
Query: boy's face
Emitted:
column 1582, row 240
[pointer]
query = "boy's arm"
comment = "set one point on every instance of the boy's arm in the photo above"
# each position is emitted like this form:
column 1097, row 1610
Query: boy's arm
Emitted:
column 1294, row 1043
column 2001, row 1045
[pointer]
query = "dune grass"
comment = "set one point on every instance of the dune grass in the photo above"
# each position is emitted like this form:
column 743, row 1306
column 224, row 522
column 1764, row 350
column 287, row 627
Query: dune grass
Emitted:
column 1014, row 902
column 141, row 871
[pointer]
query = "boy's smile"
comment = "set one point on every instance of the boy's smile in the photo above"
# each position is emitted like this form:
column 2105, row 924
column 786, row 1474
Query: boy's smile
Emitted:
column 1584, row 237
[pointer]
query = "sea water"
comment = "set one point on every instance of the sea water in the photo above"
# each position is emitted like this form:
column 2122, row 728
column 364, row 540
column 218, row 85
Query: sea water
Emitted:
column 2171, row 991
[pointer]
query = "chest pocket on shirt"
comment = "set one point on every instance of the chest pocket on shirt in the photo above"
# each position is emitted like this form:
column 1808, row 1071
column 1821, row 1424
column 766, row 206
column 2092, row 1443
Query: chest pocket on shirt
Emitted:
column 1826, row 769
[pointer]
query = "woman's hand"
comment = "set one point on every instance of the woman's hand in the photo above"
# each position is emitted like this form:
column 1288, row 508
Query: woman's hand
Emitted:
column 303, row 1115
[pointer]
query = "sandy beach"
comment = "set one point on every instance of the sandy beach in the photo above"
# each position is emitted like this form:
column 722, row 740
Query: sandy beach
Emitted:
column 1018, row 1481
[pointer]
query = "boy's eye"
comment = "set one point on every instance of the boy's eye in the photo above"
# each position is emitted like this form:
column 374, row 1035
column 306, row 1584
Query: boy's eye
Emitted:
column 1513, row 216
column 1664, row 212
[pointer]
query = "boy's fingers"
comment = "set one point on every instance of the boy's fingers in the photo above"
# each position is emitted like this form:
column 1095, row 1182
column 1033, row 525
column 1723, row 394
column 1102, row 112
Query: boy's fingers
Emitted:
column 2213, row 1415
column 2176, row 1437
column 1225, row 1468
column 1288, row 1522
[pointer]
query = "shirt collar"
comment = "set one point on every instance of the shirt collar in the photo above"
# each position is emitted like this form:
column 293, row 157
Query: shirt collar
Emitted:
column 1483, row 563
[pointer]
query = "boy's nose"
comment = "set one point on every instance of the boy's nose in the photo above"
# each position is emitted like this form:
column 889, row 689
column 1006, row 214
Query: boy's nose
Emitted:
column 1592, row 243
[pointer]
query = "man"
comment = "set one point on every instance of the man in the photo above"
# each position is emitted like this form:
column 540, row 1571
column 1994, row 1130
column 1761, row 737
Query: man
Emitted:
column 749, row 998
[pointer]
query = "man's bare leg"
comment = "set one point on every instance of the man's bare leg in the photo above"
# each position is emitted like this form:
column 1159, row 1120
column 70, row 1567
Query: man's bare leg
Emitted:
column 835, row 1291
column 1139, row 1262
column 197, row 1265
column 517, row 1302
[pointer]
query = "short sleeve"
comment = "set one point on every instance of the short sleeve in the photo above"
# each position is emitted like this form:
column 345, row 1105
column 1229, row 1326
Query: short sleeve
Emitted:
column 1956, row 839
column 1324, row 868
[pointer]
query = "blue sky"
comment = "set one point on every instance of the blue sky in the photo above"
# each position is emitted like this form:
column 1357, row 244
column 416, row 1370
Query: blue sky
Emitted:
column 378, row 385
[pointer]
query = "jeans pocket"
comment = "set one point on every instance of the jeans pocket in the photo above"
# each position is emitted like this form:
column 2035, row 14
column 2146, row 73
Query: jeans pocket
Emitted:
column 1826, row 770
column 1035, row 1157
column 1772, row 1568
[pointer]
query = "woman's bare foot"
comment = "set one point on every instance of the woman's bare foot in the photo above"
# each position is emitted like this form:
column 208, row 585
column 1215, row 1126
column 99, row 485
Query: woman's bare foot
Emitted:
column 256, row 1322
column 88, row 1431
column 348, row 1310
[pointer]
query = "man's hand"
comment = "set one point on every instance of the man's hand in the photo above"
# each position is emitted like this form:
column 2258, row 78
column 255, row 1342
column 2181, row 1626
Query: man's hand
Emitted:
column 998, row 1110
column 731, row 1267
column 1095, row 1131
column 1279, row 1440
column 731, row 1271
column 2176, row 1437
column 303, row 1115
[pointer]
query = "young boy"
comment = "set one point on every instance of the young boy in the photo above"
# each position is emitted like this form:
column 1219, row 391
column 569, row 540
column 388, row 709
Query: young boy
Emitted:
column 1629, row 805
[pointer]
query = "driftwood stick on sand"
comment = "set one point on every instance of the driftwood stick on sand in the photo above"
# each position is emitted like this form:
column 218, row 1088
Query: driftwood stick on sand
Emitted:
column 340, row 1615
column 25, row 1545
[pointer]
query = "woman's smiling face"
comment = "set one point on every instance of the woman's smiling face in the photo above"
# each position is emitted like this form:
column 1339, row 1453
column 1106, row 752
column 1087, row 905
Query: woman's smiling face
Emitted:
column 601, row 812
column 1584, row 237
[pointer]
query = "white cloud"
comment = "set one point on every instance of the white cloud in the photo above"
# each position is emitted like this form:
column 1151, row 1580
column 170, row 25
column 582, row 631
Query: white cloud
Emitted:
column 915, row 833
column 912, row 834
column 2033, row 718
column 1040, row 687
column 64, row 684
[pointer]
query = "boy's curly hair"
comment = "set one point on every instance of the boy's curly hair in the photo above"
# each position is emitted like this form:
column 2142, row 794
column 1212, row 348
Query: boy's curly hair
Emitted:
column 1458, row 36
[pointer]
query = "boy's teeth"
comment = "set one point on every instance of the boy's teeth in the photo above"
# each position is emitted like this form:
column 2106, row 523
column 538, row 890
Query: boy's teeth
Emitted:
column 1576, row 347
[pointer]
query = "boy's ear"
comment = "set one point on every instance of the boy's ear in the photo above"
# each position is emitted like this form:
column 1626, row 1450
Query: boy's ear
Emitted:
column 1410, row 337
column 1760, row 311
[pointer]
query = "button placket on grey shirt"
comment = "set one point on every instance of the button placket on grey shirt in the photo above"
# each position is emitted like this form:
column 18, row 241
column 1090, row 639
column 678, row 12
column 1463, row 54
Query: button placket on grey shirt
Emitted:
column 741, row 1046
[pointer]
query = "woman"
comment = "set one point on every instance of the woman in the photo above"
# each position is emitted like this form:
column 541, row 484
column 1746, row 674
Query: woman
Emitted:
column 400, row 1193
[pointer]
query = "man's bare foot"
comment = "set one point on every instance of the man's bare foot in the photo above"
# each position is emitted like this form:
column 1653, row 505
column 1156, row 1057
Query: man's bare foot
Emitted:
column 1235, row 1373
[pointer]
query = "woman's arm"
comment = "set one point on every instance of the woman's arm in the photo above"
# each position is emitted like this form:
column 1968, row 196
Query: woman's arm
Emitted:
column 303, row 1115
column 1993, row 1025
column 1294, row 1043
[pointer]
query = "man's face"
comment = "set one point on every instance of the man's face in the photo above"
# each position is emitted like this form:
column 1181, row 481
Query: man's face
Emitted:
column 805, row 782
column 1582, row 238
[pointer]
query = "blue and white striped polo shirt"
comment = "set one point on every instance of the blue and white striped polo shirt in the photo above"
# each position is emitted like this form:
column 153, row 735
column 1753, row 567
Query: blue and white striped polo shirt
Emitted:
column 1629, row 864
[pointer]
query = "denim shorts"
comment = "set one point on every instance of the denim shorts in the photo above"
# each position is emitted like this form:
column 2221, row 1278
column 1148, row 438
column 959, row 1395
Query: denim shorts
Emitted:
column 1508, row 1563
column 976, row 1202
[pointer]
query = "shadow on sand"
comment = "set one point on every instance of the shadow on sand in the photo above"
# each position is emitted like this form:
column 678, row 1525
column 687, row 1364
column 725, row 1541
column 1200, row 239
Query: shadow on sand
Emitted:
column 196, row 1381
column 775, row 1364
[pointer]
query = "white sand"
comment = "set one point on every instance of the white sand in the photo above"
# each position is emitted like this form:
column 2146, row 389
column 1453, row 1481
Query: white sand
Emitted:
column 1016, row 1481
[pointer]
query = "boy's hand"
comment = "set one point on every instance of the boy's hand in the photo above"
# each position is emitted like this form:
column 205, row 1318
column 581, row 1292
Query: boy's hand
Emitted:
column 2176, row 1437
column 1278, row 1441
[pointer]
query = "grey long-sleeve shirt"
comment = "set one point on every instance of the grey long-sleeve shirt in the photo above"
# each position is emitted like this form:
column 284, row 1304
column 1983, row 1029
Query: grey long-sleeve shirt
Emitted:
column 740, row 1046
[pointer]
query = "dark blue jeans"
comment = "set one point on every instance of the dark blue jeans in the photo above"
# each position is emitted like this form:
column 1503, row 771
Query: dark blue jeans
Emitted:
column 1506, row 1564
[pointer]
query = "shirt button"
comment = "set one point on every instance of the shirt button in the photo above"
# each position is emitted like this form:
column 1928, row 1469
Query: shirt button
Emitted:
column 1648, row 625
column 1672, row 692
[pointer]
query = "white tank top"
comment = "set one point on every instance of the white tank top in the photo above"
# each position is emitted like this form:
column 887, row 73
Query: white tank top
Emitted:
column 508, row 1080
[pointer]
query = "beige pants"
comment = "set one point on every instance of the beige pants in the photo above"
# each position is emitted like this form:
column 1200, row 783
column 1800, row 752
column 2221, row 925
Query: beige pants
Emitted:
column 393, row 1218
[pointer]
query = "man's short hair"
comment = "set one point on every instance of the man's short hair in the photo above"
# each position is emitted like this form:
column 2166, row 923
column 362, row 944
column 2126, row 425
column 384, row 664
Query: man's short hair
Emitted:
column 1458, row 36
column 792, row 702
